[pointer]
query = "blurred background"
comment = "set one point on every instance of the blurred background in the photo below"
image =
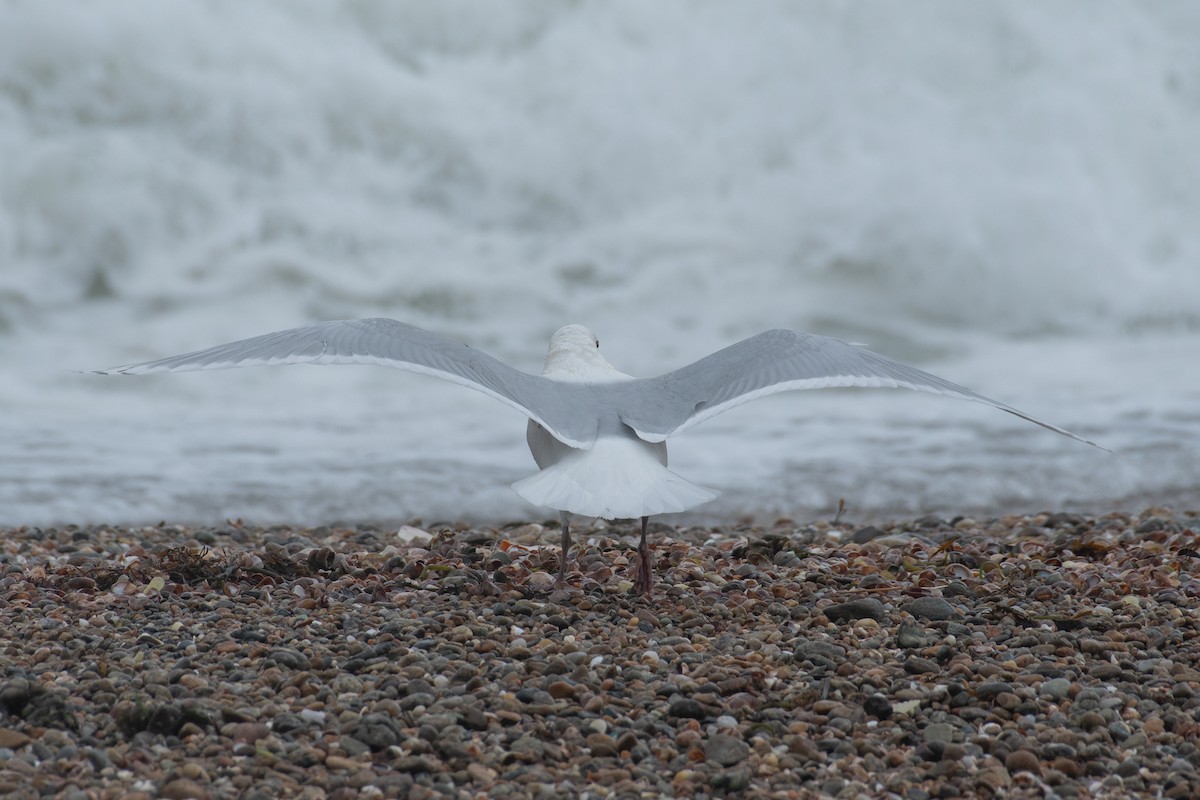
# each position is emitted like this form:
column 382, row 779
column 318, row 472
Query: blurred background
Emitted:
column 1007, row 195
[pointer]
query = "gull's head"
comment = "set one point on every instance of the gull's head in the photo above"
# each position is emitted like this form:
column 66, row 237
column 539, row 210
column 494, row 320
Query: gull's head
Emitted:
column 574, row 354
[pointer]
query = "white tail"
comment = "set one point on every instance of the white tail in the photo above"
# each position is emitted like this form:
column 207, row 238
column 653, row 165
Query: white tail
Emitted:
column 615, row 479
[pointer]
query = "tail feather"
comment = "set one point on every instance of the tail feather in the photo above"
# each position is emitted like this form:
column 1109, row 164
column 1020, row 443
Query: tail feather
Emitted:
column 621, row 481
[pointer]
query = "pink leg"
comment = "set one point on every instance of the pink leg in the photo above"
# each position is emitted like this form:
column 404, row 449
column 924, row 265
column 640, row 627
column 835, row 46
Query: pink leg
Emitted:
column 565, row 558
column 645, row 575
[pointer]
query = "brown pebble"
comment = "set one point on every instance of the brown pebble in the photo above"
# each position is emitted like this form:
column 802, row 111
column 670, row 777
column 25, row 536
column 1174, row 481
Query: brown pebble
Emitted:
column 995, row 778
column 250, row 732
column 341, row 762
column 184, row 789
column 740, row 700
column 1007, row 700
column 917, row 665
column 13, row 740
column 601, row 745
column 481, row 773
column 1067, row 766
column 81, row 583
column 560, row 690
column 191, row 680
column 1022, row 761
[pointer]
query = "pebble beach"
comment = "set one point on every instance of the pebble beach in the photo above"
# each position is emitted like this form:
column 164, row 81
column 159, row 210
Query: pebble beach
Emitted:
column 1048, row 655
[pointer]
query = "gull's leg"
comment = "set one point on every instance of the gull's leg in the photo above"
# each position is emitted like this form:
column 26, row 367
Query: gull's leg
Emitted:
column 645, row 576
column 566, row 546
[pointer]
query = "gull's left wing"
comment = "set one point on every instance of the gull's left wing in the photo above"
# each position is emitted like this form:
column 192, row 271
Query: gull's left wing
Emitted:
column 776, row 361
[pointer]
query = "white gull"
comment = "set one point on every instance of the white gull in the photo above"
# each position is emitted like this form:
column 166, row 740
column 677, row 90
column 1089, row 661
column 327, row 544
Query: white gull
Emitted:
column 597, row 434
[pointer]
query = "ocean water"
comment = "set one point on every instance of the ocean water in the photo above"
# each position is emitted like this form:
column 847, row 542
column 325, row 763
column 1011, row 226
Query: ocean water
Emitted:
column 1007, row 195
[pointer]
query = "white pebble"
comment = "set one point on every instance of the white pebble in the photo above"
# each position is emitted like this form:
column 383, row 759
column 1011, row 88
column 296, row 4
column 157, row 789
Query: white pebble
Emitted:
column 726, row 721
column 408, row 533
column 598, row 725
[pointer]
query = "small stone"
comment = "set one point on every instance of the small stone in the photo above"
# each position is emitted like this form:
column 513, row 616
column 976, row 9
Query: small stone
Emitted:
column 820, row 649
column 915, row 665
column 602, row 745
column 995, row 778
column 878, row 706
column 560, row 690
column 686, row 708
column 734, row 780
column 474, row 719
column 1007, row 700
column 1055, row 688
column 528, row 746
column 1067, row 766
column 481, row 773
column 933, row 608
column 866, row 608
column 989, row 690
column 866, row 534
column 193, row 681
column 250, row 732
column 1022, row 761
column 910, row 637
column 12, row 740
column 725, row 750
column 953, row 751
column 541, row 581
column 414, row 764
column 184, row 789
column 939, row 732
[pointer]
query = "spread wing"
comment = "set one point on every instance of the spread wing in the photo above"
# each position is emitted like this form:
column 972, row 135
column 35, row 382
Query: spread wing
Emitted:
column 562, row 409
column 776, row 361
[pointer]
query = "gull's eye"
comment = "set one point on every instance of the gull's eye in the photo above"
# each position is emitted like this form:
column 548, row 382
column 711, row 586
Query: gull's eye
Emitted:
column 597, row 344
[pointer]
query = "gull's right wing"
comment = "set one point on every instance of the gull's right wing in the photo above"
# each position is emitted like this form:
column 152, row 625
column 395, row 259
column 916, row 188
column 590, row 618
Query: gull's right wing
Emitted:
column 386, row 342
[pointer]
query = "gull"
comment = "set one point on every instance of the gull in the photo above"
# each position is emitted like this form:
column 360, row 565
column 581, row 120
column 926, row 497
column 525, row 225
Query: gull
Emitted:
column 598, row 435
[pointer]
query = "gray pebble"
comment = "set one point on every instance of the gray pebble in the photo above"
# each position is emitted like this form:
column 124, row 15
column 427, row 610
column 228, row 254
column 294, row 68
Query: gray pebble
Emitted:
column 866, row 608
column 725, row 750
column 934, row 608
